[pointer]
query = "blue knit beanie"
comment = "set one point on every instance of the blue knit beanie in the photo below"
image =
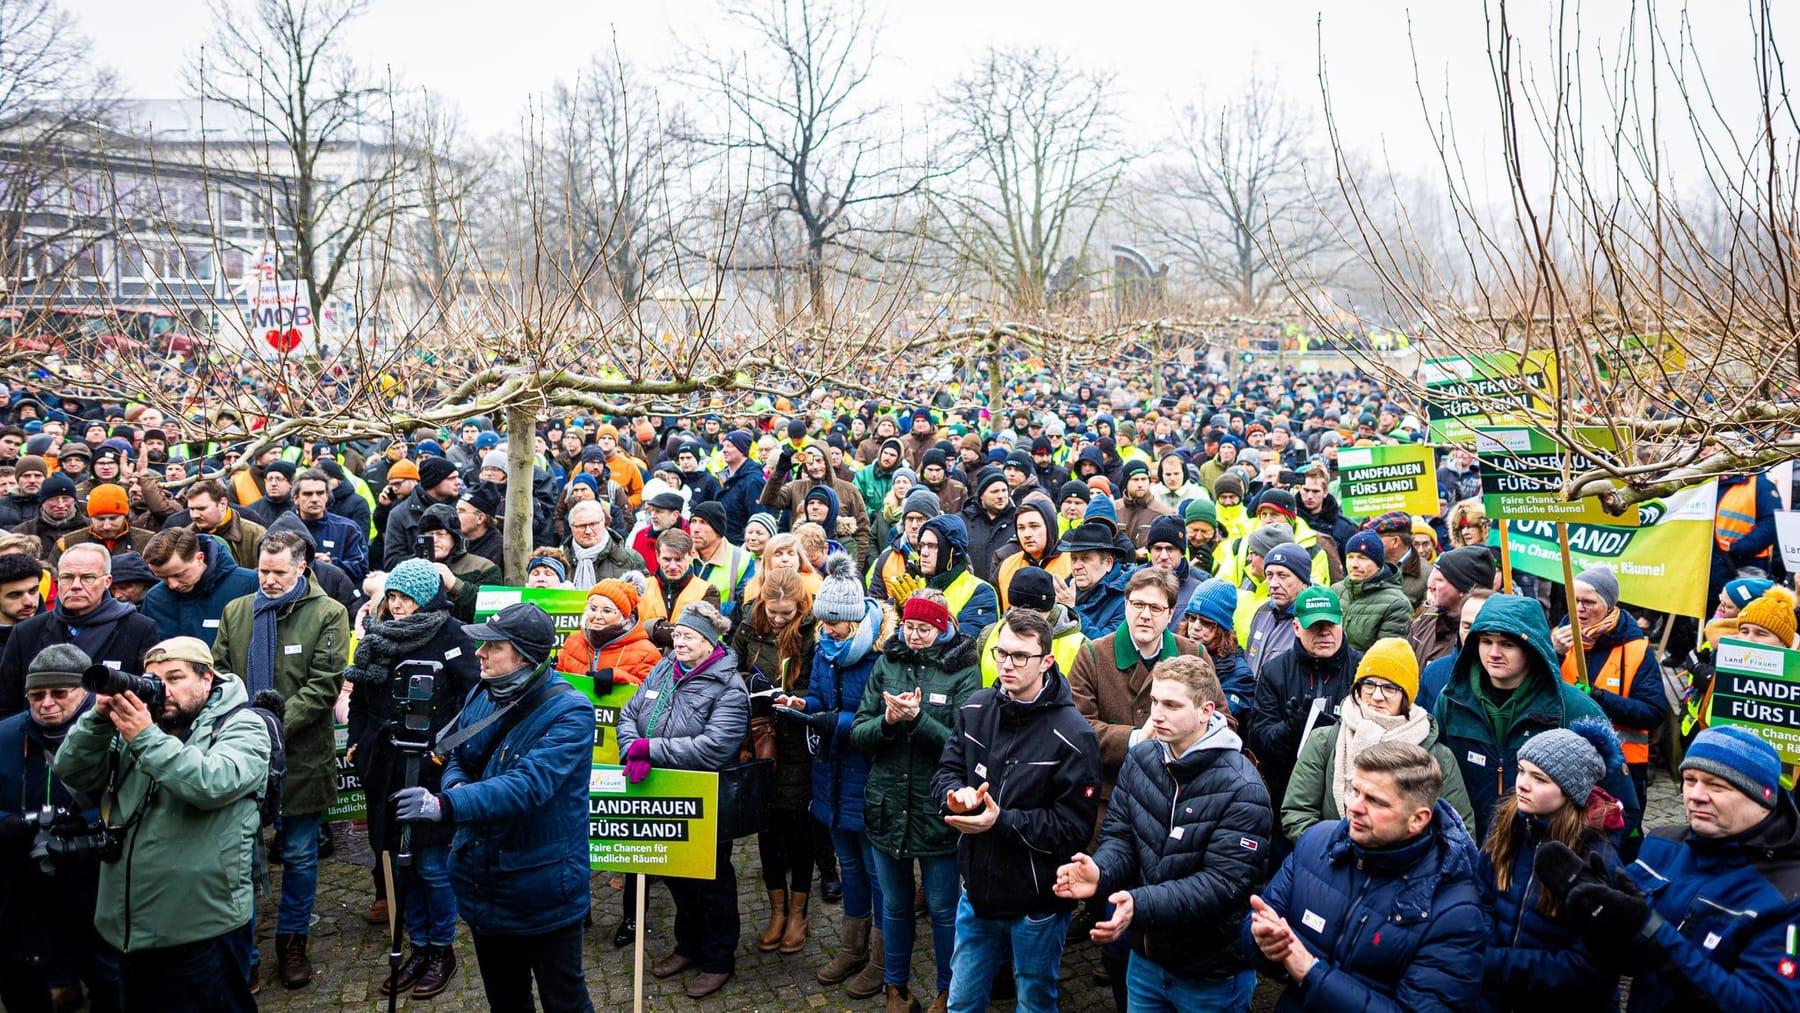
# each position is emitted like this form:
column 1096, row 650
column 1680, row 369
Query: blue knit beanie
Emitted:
column 1216, row 600
column 416, row 579
column 1741, row 758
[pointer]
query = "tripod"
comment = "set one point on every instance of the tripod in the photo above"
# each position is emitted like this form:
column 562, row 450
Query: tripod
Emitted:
column 411, row 738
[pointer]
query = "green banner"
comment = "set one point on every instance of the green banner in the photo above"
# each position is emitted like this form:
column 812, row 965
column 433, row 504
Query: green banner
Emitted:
column 1661, row 564
column 1375, row 480
column 1521, row 475
column 1758, row 687
column 665, row 825
column 564, row 608
column 351, row 803
column 1461, row 391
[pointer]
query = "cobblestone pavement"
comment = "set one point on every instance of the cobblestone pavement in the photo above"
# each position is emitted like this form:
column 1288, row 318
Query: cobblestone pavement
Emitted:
column 350, row 955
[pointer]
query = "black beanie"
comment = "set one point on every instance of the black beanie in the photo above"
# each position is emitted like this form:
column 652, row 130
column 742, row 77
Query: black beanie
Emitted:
column 433, row 470
column 1031, row 588
column 1467, row 568
column 1078, row 490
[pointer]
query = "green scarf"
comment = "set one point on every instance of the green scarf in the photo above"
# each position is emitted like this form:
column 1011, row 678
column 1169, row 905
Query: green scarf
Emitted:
column 1503, row 714
column 1125, row 651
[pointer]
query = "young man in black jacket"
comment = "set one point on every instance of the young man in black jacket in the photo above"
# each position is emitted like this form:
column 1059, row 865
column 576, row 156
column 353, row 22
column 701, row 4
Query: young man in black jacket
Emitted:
column 1183, row 846
column 1020, row 778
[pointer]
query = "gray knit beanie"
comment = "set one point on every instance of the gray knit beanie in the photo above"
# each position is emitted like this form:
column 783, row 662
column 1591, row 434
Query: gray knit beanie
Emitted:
column 1267, row 537
column 1604, row 582
column 1568, row 759
column 58, row 666
column 840, row 594
column 921, row 501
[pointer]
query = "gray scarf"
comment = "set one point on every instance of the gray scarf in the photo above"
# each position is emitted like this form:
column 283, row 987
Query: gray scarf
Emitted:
column 585, row 575
column 505, row 687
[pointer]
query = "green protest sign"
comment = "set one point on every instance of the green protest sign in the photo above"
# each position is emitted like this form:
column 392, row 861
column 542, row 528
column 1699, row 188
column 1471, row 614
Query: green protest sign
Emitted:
column 351, row 802
column 1462, row 392
column 564, row 608
column 1758, row 687
column 665, row 825
column 1522, row 470
column 1375, row 480
column 1661, row 564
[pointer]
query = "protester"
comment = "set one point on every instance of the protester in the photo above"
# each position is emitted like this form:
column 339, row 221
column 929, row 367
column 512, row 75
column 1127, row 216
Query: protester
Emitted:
column 1380, row 708
column 198, row 579
column 1180, row 884
column 1045, row 764
column 1374, row 605
column 692, row 713
column 775, row 645
column 1303, row 688
column 1400, row 858
column 1457, row 573
column 906, row 717
column 86, row 615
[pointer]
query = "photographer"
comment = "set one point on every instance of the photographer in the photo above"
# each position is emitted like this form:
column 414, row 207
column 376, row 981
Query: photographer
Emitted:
column 47, row 936
column 185, row 768
column 461, row 572
column 413, row 634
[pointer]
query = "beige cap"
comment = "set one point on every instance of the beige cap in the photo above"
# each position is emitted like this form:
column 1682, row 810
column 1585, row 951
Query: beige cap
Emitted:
column 189, row 649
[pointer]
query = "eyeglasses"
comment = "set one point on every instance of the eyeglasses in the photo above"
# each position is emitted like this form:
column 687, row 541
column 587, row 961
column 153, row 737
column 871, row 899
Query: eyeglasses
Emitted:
column 918, row 629
column 88, row 579
column 59, row 694
column 1376, row 688
column 1147, row 607
column 589, row 526
column 1012, row 659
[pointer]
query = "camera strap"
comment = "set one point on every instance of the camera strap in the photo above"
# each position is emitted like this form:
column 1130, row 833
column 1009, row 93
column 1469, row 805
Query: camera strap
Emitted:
column 511, row 713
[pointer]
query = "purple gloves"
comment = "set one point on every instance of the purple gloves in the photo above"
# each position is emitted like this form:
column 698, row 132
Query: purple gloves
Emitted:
column 637, row 760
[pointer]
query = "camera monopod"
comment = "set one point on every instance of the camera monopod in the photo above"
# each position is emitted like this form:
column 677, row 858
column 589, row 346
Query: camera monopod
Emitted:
column 414, row 688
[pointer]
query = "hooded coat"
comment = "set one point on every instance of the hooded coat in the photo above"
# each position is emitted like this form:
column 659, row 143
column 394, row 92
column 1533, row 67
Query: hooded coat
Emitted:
column 1489, row 758
column 986, row 535
column 1399, row 928
column 1012, row 557
column 1101, row 607
column 1188, row 835
column 983, row 604
column 739, row 493
column 196, row 613
column 471, row 571
column 900, row 812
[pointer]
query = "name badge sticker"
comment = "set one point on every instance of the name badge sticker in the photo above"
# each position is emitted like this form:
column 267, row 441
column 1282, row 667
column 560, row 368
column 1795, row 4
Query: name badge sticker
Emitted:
column 452, row 654
column 1477, row 759
column 1313, row 921
column 291, row 648
column 1176, row 832
column 211, row 624
column 938, row 698
column 981, row 770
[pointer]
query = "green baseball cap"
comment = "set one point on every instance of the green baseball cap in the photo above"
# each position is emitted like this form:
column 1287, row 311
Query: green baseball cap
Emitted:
column 1317, row 605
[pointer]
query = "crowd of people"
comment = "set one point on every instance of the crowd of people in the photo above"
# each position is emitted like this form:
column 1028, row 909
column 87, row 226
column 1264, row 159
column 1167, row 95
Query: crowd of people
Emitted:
column 1103, row 668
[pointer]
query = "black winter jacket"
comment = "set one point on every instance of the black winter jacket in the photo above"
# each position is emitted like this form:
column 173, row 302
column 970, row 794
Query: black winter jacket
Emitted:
column 1041, row 763
column 1190, row 891
column 1285, row 693
column 121, row 647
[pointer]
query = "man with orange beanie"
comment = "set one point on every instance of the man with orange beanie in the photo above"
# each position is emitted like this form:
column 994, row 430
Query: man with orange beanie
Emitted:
column 109, row 523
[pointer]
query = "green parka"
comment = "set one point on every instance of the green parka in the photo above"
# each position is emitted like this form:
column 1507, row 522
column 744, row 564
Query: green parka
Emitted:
column 184, row 872
column 1309, row 799
column 313, row 649
column 900, row 812
column 1374, row 608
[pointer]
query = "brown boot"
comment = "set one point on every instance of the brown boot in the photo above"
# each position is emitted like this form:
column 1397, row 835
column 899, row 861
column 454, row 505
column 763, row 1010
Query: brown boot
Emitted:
column 852, row 955
column 378, row 912
column 867, row 982
column 770, row 940
column 901, row 1000
column 291, row 962
column 794, row 939
column 440, row 967
column 410, row 969
column 941, row 1004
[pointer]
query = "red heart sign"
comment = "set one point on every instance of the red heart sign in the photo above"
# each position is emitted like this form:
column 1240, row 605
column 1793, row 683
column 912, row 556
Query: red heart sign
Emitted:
column 282, row 341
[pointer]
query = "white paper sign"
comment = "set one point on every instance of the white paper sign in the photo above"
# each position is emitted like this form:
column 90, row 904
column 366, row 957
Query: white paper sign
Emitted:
column 1787, row 535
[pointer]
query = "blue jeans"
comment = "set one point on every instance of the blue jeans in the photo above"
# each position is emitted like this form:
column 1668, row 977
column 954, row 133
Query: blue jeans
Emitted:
column 299, row 842
column 1037, row 944
column 942, row 889
column 1153, row 989
column 856, row 868
column 430, row 903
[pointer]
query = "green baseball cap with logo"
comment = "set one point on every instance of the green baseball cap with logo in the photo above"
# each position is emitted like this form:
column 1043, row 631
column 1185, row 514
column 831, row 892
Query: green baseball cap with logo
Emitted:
column 1317, row 605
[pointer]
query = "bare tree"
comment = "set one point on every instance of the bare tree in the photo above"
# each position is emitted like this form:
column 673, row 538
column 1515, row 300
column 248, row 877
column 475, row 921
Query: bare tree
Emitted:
column 52, row 96
column 1236, row 183
column 799, row 106
column 1037, row 140
column 284, row 69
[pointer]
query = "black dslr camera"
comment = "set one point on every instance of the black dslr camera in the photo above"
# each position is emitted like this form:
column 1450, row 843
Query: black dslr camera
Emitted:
column 424, row 547
column 62, row 835
column 102, row 680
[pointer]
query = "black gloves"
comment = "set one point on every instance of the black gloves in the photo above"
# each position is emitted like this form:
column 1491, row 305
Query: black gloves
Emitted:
column 1608, row 914
column 603, row 680
column 824, row 722
column 15, row 834
column 1560, row 869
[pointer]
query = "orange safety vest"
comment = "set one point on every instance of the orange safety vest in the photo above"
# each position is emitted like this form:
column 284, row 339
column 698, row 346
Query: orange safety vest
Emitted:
column 243, row 485
column 651, row 605
column 1616, row 675
column 1058, row 566
column 1736, row 516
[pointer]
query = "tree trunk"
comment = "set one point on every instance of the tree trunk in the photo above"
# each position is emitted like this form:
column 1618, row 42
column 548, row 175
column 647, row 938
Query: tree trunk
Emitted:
column 521, row 442
column 995, row 379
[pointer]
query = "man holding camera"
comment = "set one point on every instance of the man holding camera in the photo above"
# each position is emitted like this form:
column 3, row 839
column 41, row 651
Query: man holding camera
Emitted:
column 47, row 885
column 290, row 637
column 184, row 762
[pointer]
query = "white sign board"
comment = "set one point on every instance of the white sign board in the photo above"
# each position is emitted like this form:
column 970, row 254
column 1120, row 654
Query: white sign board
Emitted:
column 1787, row 535
column 279, row 318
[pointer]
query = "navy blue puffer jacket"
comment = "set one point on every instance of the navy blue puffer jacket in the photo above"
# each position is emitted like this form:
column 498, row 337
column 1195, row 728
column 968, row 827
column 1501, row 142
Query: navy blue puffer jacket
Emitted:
column 1395, row 929
column 1536, row 962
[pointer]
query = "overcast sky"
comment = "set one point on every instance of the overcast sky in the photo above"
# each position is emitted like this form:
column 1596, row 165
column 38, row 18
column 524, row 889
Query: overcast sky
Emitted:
column 491, row 58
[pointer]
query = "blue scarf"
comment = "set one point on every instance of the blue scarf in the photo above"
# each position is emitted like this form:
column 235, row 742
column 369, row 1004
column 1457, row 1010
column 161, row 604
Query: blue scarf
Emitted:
column 260, row 659
column 844, row 653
